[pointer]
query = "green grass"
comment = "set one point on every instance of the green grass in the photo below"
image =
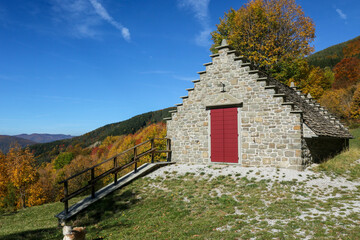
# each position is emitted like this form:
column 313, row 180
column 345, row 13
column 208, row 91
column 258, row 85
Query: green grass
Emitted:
column 32, row 223
column 195, row 207
column 344, row 164
column 207, row 207
column 355, row 143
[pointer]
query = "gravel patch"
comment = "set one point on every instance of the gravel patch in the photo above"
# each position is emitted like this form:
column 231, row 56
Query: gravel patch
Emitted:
column 312, row 180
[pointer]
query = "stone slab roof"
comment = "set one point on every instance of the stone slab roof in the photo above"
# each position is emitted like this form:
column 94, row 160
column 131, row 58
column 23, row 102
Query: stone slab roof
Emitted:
column 316, row 117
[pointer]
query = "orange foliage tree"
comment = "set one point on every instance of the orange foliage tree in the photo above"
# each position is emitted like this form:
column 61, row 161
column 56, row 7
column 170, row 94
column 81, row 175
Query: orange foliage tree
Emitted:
column 267, row 31
column 347, row 73
column 352, row 49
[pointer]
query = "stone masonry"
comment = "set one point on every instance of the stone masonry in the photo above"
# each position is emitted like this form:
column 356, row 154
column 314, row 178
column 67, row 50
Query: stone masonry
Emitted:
column 270, row 131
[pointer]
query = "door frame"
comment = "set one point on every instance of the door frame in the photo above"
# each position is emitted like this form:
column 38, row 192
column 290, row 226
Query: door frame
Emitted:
column 238, row 106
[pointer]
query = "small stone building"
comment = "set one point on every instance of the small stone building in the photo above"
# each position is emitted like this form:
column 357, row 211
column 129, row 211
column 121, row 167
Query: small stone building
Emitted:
column 237, row 114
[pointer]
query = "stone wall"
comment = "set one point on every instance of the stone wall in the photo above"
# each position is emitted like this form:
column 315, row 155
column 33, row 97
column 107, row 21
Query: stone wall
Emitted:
column 270, row 133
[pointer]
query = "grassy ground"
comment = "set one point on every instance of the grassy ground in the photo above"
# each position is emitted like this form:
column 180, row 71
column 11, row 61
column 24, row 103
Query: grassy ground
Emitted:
column 345, row 163
column 201, row 207
column 206, row 207
column 32, row 223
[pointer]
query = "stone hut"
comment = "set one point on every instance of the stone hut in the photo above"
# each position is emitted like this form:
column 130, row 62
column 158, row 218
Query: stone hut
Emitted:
column 238, row 114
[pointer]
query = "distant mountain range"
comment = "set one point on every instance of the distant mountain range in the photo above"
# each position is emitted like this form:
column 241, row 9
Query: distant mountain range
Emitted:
column 43, row 138
column 24, row 140
column 6, row 142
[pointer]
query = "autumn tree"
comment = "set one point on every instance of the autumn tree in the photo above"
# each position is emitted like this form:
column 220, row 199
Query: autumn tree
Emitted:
column 352, row 48
column 317, row 82
column 355, row 104
column 3, row 178
column 295, row 71
column 347, row 73
column 267, row 32
column 338, row 101
column 21, row 171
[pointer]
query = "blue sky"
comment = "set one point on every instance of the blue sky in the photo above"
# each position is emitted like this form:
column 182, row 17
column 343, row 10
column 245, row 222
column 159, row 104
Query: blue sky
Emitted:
column 71, row 66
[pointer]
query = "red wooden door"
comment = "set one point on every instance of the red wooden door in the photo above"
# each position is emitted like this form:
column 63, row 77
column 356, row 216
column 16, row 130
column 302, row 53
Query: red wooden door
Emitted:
column 224, row 135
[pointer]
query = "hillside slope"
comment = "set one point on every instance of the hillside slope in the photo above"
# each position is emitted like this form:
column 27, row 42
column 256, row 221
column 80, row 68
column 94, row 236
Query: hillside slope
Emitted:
column 44, row 152
column 209, row 202
column 330, row 56
column 8, row 141
column 43, row 138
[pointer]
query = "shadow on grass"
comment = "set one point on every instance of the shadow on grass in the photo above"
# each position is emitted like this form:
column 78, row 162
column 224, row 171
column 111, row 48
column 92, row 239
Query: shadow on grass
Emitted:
column 45, row 233
column 6, row 214
column 105, row 208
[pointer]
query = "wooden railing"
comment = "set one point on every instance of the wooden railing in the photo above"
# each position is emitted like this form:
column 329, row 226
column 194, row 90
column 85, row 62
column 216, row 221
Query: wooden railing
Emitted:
column 115, row 169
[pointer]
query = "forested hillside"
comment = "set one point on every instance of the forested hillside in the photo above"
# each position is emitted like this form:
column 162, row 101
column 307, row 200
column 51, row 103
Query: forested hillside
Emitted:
column 331, row 56
column 342, row 63
column 45, row 152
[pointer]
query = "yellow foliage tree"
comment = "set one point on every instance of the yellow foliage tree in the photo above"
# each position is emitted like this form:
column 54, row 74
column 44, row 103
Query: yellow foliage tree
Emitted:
column 338, row 101
column 317, row 82
column 355, row 104
column 21, row 171
column 37, row 194
column 267, row 31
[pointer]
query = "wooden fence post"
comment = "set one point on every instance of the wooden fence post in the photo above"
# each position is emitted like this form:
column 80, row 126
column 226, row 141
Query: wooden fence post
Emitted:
column 66, row 192
column 152, row 147
column 115, row 174
column 92, row 182
column 135, row 159
column 168, row 147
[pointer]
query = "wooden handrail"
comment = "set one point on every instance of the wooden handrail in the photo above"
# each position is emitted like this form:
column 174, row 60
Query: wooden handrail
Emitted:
column 109, row 159
column 114, row 170
column 74, row 194
column 119, row 154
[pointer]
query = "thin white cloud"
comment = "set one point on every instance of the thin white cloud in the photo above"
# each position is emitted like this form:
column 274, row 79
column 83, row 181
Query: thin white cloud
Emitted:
column 80, row 19
column 105, row 15
column 83, row 18
column 341, row 14
column 200, row 8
